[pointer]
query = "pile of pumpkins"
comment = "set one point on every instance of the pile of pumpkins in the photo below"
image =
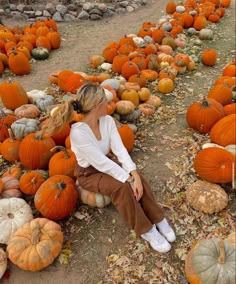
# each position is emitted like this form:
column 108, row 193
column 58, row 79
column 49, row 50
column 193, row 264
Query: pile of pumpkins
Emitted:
column 18, row 45
column 216, row 115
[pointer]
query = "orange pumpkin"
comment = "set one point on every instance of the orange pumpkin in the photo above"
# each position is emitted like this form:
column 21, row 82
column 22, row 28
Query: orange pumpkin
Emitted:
column 56, row 197
column 6, row 120
column 214, row 165
column 39, row 159
column 10, row 148
column 224, row 131
column 13, row 95
column 62, row 162
column 127, row 135
column 36, row 244
column 18, row 63
column 209, row 57
column 201, row 116
column 221, row 93
column 165, row 86
column 130, row 95
column 230, row 109
column 30, row 182
column 229, row 70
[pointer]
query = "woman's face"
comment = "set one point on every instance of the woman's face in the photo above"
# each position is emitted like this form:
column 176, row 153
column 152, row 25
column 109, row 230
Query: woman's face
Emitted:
column 101, row 108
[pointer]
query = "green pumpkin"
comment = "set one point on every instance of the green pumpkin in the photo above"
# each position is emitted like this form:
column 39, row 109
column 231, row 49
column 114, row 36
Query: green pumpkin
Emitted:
column 211, row 261
column 40, row 53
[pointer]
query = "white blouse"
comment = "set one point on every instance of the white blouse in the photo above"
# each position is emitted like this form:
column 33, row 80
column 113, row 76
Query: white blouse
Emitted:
column 91, row 151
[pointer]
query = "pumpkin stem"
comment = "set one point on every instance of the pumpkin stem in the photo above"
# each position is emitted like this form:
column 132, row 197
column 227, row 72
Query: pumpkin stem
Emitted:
column 61, row 186
column 35, row 234
column 11, row 135
column 61, row 148
column 205, row 103
column 221, row 258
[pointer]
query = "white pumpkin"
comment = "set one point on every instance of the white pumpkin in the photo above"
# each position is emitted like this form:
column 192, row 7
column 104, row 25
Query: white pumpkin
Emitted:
column 206, row 34
column 3, row 262
column 14, row 213
column 231, row 148
column 108, row 94
column 138, row 41
column 23, row 126
column 106, row 66
column 115, row 84
column 44, row 102
column 35, row 94
column 209, row 145
column 180, row 9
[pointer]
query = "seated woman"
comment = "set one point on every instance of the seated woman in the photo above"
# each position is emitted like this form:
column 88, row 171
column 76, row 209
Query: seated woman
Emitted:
column 117, row 176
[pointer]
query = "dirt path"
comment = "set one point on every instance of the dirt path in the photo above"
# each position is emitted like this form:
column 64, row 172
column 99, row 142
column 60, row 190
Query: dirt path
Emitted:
column 102, row 232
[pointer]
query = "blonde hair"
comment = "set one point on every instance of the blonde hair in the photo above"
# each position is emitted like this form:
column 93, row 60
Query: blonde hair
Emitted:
column 88, row 96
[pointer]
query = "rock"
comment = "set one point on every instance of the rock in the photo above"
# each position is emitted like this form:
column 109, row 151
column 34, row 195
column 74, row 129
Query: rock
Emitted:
column 124, row 4
column 69, row 18
column 96, row 11
column 71, row 7
column 46, row 13
column 83, row 15
column 108, row 13
column 12, row 7
column 1, row 12
column 57, row 17
column 50, row 8
column 95, row 17
column 120, row 10
column 88, row 6
column 61, row 9
column 20, row 7
column 38, row 13
column 30, row 14
column 129, row 9
column 102, row 7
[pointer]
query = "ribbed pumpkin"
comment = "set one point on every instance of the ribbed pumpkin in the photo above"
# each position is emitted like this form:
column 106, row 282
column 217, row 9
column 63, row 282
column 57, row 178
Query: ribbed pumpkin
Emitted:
column 224, row 131
column 93, row 199
column 201, row 116
column 6, row 121
column 63, row 77
column 36, row 244
column 56, row 197
column 62, row 163
column 230, row 109
column 211, row 261
column 30, row 182
column 13, row 95
column 35, row 151
column 126, row 134
column 214, row 165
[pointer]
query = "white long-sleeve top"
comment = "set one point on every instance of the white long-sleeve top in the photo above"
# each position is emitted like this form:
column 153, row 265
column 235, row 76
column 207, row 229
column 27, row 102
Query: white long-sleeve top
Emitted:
column 91, row 151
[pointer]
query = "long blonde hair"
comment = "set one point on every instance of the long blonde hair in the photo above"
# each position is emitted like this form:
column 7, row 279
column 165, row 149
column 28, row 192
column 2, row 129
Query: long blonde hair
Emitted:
column 87, row 97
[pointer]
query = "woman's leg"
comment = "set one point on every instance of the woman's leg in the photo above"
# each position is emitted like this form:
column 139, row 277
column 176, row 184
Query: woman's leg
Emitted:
column 123, row 199
column 153, row 211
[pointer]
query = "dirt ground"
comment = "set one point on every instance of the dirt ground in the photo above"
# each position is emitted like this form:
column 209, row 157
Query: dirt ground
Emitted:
column 162, row 145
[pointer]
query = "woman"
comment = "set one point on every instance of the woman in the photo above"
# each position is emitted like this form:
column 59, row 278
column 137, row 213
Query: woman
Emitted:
column 113, row 175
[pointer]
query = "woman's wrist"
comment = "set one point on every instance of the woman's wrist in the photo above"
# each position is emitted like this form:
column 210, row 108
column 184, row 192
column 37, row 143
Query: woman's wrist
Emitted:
column 130, row 179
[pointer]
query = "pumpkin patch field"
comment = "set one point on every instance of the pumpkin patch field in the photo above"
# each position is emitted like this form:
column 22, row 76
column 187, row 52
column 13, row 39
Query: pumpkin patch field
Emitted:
column 169, row 73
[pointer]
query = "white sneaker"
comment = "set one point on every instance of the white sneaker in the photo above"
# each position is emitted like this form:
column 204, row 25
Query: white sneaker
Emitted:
column 156, row 241
column 165, row 229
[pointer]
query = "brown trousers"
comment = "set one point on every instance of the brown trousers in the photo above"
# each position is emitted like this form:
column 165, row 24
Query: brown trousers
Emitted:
column 139, row 215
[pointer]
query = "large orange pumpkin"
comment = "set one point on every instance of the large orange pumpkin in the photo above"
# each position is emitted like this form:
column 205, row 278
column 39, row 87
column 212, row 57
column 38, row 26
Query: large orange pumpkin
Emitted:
column 35, row 152
column 215, row 165
column 36, row 244
column 201, row 116
column 224, row 131
column 56, row 197
column 13, row 95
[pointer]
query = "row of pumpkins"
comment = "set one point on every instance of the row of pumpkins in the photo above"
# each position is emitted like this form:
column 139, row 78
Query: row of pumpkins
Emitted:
column 214, row 259
column 18, row 45
column 50, row 193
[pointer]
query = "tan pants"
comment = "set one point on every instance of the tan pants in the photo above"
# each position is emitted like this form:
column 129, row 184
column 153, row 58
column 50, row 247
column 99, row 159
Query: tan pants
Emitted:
column 139, row 215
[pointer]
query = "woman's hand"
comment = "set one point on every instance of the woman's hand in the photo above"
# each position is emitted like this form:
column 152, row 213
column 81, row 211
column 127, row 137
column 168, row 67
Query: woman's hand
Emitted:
column 136, row 186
